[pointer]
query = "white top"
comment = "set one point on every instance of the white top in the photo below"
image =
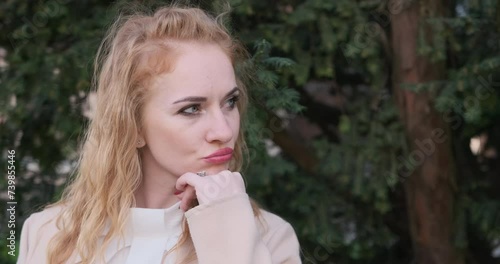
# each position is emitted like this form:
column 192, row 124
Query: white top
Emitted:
column 150, row 234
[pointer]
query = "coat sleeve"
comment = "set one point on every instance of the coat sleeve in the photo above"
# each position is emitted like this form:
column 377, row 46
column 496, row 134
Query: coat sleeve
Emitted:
column 226, row 231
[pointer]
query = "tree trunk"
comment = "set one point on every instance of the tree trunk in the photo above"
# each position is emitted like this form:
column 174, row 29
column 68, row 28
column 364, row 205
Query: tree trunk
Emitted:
column 430, row 184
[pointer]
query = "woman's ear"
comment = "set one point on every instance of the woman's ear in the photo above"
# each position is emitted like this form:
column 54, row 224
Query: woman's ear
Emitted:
column 140, row 142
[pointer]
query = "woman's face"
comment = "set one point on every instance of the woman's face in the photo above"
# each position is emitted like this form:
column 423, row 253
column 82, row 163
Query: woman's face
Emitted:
column 190, row 119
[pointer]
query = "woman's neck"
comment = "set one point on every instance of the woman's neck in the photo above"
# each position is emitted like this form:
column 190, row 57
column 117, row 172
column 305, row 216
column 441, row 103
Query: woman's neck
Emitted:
column 156, row 192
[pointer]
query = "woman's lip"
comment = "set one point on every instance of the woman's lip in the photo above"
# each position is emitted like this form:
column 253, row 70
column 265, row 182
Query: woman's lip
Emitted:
column 220, row 152
column 219, row 159
column 177, row 192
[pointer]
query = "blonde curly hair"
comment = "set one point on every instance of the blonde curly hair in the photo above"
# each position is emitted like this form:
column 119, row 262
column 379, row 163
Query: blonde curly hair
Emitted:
column 109, row 170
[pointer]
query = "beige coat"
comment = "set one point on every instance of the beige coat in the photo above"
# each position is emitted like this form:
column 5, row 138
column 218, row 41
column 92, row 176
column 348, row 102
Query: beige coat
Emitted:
column 224, row 231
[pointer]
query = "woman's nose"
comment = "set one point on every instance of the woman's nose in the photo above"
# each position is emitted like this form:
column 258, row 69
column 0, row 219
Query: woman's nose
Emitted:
column 220, row 127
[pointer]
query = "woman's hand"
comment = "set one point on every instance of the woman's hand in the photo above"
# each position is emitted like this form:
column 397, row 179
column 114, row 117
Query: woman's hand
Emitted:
column 208, row 188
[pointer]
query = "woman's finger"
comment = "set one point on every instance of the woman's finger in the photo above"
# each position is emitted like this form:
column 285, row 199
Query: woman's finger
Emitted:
column 187, row 198
column 209, row 188
column 188, row 178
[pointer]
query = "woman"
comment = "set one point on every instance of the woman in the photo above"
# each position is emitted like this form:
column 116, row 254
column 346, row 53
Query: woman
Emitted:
column 157, row 180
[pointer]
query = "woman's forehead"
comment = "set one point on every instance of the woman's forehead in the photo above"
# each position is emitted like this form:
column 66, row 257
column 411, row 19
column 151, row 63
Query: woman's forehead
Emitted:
column 198, row 69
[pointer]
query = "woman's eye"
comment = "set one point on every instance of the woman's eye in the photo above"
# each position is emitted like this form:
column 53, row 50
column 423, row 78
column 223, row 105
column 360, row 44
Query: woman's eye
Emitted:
column 190, row 110
column 232, row 101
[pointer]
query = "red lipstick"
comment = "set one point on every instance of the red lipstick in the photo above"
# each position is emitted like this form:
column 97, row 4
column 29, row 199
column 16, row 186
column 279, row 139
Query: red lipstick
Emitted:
column 220, row 156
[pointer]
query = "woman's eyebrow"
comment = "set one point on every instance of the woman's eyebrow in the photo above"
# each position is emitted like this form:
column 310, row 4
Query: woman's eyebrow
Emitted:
column 199, row 99
column 196, row 99
column 234, row 90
